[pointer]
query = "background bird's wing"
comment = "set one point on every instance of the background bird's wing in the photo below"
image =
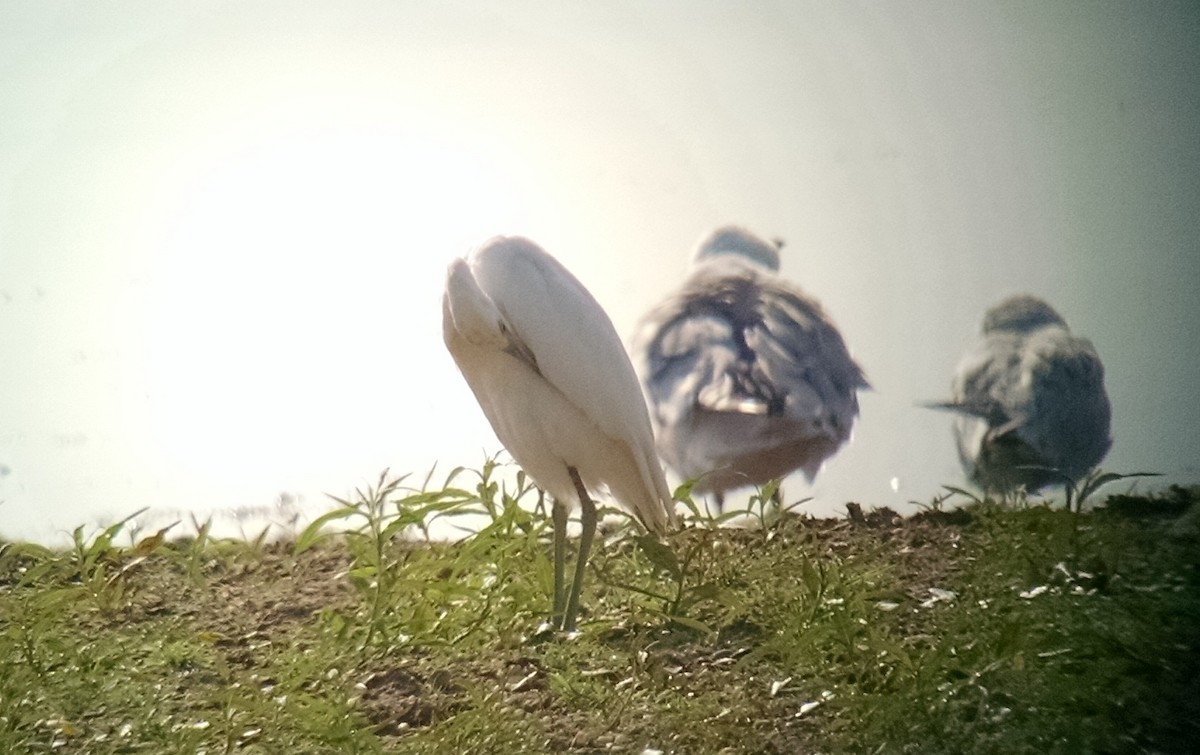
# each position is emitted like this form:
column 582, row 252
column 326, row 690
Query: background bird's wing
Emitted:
column 738, row 343
column 1047, row 376
column 1071, row 410
column 686, row 354
column 801, row 355
column 1061, row 364
column 990, row 383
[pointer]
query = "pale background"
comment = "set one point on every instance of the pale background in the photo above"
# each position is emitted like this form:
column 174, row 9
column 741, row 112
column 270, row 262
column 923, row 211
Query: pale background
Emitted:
column 224, row 225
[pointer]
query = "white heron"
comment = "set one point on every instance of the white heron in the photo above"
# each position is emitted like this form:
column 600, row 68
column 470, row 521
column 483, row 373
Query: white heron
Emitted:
column 747, row 378
column 555, row 382
column 1031, row 401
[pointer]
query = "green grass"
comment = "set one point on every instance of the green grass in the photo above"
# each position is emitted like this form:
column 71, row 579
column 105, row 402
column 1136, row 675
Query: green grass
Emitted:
column 990, row 628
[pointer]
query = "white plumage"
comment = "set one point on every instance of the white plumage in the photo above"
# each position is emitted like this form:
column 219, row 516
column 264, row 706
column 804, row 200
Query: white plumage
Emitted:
column 1031, row 401
column 747, row 378
column 557, row 386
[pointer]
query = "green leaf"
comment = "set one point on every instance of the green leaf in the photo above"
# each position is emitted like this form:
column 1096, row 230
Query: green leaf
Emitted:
column 312, row 533
column 963, row 492
column 658, row 554
column 694, row 624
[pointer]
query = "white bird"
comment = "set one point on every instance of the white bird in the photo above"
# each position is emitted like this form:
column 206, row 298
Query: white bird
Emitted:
column 555, row 382
column 1031, row 401
column 747, row 378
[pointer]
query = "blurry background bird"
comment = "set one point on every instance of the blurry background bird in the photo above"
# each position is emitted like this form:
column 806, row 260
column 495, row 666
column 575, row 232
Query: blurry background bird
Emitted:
column 1031, row 401
column 748, row 380
column 553, row 378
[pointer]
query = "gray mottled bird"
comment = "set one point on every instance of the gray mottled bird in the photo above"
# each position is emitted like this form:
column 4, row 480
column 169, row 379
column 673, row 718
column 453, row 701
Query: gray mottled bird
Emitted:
column 1031, row 401
column 748, row 380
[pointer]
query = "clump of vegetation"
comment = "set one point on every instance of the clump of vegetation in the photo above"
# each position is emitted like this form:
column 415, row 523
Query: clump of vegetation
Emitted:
column 987, row 628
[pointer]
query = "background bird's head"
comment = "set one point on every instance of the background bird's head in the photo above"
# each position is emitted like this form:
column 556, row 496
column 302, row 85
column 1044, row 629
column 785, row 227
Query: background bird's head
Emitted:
column 1021, row 314
column 738, row 242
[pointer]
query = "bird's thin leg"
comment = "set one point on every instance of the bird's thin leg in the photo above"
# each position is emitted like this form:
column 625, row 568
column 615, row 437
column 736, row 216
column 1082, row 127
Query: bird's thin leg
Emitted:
column 558, row 514
column 719, row 497
column 587, row 521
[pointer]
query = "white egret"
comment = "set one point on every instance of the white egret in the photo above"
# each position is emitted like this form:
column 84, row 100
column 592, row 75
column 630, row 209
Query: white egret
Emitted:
column 747, row 378
column 1031, row 401
column 556, row 384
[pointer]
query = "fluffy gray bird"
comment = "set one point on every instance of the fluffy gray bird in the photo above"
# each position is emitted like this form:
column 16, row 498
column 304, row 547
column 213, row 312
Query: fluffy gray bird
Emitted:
column 747, row 378
column 1031, row 401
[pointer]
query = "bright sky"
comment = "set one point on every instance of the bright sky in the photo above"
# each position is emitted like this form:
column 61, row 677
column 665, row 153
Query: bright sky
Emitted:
column 224, row 226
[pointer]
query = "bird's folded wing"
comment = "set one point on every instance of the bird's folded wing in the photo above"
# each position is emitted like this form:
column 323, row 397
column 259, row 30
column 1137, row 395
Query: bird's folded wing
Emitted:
column 692, row 361
column 1059, row 362
column 553, row 323
column 802, row 357
column 797, row 339
column 724, row 356
column 991, row 381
